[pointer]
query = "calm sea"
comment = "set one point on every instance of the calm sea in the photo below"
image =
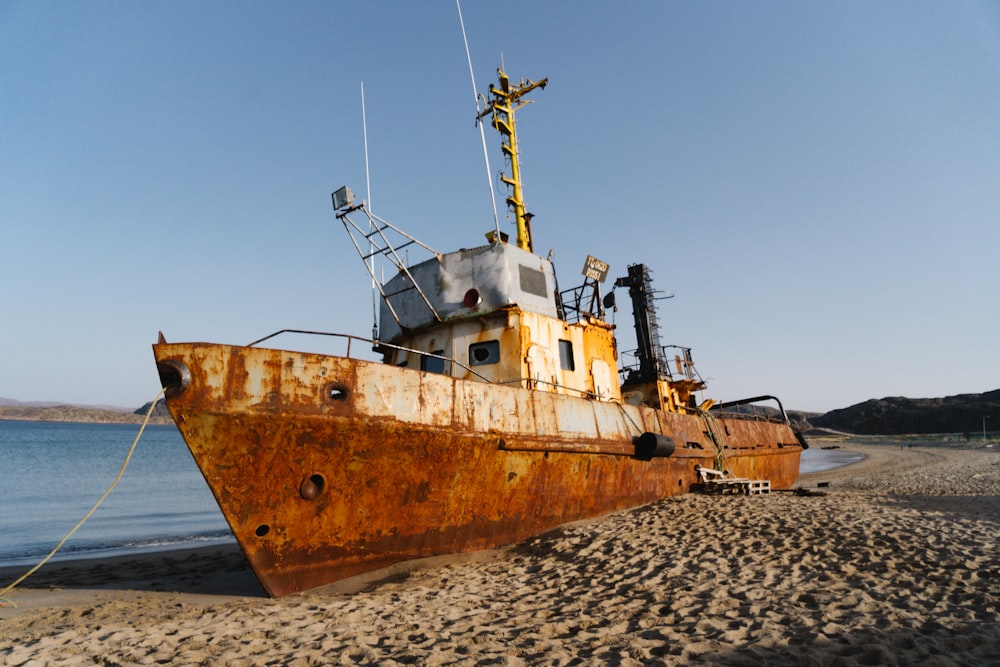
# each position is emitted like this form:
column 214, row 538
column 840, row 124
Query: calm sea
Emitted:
column 818, row 460
column 55, row 472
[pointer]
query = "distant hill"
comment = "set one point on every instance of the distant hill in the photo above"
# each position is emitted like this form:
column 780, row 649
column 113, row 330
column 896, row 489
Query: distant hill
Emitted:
column 96, row 414
column 897, row 415
column 10, row 402
column 159, row 411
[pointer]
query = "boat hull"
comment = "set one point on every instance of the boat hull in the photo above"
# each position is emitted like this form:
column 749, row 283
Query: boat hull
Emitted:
column 326, row 467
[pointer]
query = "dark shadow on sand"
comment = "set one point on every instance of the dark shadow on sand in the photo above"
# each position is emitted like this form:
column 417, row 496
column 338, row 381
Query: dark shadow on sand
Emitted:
column 217, row 570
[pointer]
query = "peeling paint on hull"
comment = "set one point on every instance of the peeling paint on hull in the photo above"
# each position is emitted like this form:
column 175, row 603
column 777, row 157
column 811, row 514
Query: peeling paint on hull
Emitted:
column 326, row 467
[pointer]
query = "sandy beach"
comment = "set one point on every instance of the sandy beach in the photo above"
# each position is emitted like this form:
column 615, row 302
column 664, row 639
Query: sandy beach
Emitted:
column 895, row 563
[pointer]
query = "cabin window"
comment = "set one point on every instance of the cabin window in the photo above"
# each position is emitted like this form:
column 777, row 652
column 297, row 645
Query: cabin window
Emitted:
column 483, row 354
column 432, row 364
column 532, row 281
column 566, row 355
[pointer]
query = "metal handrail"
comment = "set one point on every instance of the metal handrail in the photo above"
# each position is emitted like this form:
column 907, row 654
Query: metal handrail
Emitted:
column 530, row 381
column 756, row 399
column 376, row 345
column 664, row 364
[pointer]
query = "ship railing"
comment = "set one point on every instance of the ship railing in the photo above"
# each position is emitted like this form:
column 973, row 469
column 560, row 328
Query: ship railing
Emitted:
column 747, row 409
column 380, row 347
column 574, row 306
column 529, row 383
column 685, row 368
column 376, row 345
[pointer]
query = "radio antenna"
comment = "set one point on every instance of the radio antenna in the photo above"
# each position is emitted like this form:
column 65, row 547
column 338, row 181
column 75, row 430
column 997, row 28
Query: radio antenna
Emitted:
column 364, row 130
column 371, row 222
column 482, row 132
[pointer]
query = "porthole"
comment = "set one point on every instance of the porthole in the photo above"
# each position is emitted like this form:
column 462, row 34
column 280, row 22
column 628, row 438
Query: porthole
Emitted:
column 174, row 377
column 335, row 392
column 262, row 530
column 472, row 298
column 312, row 486
column 482, row 354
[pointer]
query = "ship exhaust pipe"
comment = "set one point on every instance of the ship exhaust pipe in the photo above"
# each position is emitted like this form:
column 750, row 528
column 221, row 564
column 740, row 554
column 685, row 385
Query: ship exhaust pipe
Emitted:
column 652, row 445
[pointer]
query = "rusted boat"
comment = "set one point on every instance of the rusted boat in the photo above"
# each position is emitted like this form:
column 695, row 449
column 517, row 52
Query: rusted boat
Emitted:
column 495, row 413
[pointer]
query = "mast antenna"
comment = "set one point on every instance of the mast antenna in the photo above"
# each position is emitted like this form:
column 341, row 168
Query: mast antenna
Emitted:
column 371, row 223
column 364, row 131
column 505, row 101
column 479, row 115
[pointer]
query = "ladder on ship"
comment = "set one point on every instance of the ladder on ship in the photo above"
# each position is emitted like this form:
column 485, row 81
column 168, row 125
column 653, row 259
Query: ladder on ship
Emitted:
column 652, row 363
column 383, row 239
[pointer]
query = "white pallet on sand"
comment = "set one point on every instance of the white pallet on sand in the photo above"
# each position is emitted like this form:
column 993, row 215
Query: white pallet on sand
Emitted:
column 724, row 482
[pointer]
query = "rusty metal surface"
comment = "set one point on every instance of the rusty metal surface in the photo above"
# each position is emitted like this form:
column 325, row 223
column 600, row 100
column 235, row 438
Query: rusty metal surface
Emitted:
column 326, row 467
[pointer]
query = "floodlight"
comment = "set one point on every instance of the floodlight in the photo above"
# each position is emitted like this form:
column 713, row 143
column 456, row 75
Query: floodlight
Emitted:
column 343, row 198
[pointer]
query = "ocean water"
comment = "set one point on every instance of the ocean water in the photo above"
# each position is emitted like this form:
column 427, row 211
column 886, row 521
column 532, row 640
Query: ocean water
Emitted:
column 54, row 472
column 818, row 460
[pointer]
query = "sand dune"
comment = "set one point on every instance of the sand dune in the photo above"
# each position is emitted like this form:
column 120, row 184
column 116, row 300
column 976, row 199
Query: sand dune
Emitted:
column 896, row 564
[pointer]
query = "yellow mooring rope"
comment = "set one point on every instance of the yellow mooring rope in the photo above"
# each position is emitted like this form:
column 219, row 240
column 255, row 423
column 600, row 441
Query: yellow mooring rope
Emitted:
column 4, row 602
column 628, row 418
column 720, row 444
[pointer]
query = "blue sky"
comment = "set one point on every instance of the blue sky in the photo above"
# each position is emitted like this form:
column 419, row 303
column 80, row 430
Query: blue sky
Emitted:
column 817, row 182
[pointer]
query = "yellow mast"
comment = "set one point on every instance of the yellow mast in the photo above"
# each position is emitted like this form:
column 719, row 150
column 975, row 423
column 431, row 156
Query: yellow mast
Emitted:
column 506, row 100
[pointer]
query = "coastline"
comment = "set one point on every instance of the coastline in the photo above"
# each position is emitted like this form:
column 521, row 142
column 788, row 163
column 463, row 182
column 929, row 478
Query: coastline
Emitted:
column 894, row 564
column 88, row 418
